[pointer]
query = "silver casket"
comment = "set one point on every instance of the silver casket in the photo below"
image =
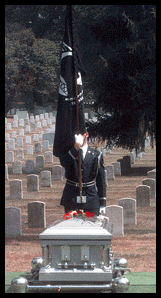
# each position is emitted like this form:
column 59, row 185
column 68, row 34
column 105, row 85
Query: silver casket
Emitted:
column 76, row 257
column 78, row 251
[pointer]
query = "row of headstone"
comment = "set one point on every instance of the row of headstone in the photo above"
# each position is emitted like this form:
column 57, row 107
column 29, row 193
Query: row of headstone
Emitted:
column 119, row 215
column 113, row 170
column 147, row 191
column 36, row 218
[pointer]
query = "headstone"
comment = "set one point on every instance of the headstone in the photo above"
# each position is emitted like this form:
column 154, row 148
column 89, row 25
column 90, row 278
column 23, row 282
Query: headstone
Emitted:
column 7, row 137
column 152, row 183
column 36, row 215
column 49, row 122
column 32, row 119
column 41, row 116
column 110, row 172
column 28, row 139
column 9, row 156
column 129, row 211
column 57, row 172
column 16, row 192
column 9, row 127
column 39, row 124
column 117, row 168
column 6, row 172
column 21, row 122
column 116, row 222
column 11, row 144
column 33, row 126
column 46, row 115
column 49, row 137
column 20, row 142
column 27, row 121
column 29, row 166
column 151, row 174
column 15, row 117
column 143, row 195
column 17, row 167
column 38, row 147
column 39, row 161
column 13, row 134
column 12, row 222
column 45, row 145
column 44, row 123
column 15, row 124
column 32, row 182
column 27, row 129
column 37, row 118
column 21, row 132
column 52, row 127
column 48, row 157
column 20, row 154
column 125, row 165
column 45, row 179
column 29, row 150
column 35, row 137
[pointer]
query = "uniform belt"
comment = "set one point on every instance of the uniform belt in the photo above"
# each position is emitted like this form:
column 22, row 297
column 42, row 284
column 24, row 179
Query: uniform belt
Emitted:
column 76, row 184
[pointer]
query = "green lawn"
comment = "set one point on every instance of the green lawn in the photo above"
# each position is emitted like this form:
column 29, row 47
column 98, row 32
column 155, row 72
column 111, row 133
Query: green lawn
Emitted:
column 140, row 282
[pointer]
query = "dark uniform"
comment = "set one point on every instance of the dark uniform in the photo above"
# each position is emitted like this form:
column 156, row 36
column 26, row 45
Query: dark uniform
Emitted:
column 93, row 178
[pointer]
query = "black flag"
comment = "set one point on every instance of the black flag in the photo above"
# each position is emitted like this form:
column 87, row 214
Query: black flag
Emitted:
column 72, row 71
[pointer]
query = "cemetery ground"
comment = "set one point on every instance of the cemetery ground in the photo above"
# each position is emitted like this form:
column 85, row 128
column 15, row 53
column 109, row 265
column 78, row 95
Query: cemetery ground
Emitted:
column 138, row 245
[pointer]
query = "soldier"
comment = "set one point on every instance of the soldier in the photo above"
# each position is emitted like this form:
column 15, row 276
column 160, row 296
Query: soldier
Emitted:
column 93, row 177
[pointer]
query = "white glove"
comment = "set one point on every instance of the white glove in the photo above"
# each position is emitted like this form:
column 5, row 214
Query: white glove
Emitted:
column 79, row 139
column 102, row 210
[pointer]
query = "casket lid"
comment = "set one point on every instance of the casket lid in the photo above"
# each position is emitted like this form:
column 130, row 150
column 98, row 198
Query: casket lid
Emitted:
column 76, row 229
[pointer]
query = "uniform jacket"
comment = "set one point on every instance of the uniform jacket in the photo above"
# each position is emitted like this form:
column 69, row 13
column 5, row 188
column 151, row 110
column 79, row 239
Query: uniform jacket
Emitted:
column 92, row 170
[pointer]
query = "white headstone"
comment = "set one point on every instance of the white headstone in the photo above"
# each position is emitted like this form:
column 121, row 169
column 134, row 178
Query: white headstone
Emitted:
column 27, row 129
column 21, row 132
column 28, row 139
column 129, row 211
column 11, row 144
column 116, row 221
column 143, row 195
column 151, row 174
column 117, row 168
column 57, row 172
column 29, row 150
column 9, row 156
column 20, row 142
column 32, row 182
column 17, row 167
column 152, row 183
column 48, row 157
column 36, row 215
column 9, row 127
column 16, row 192
column 110, row 172
column 39, row 161
column 21, row 122
column 45, row 179
column 12, row 222
column 15, row 124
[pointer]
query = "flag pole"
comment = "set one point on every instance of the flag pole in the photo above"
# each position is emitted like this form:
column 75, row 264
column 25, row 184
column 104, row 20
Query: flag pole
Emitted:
column 77, row 122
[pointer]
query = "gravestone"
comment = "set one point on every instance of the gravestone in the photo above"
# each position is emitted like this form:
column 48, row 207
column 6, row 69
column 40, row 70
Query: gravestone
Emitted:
column 6, row 172
column 37, row 118
column 39, row 161
column 17, row 167
column 110, row 172
column 27, row 129
column 36, row 215
column 13, row 135
column 38, row 124
column 12, row 222
column 57, row 172
column 129, row 211
column 20, row 154
column 151, row 174
column 7, row 137
column 15, row 124
column 45, row 145
column 29, row 166
column 11, row 144
column 38, row 147
column 9, row 127
column 21, row 122
column 32, row 119
column 32, row 182
column 143, row 195
column 28, row 139
column 44, row 123
column 125, row 165
column 9, row 156
column 15, row 117
column 48, row 157
column 21, row 132
column 45, row 179
column 152, row 183
column 20, row 142
column 16, row 189
column 35, row 137
column 116, row 221
column 27, row 121
column 117, row 168
column 29, row 150
column 49, row 137
column 132, row 157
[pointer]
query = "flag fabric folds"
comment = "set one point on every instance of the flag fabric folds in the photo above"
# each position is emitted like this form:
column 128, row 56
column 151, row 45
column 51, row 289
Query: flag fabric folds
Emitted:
column 71, row 74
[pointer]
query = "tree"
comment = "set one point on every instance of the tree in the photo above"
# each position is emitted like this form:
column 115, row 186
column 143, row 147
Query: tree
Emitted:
column 124, row 85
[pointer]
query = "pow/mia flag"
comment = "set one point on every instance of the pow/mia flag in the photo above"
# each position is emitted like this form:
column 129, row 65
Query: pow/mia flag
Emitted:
column 71, row 74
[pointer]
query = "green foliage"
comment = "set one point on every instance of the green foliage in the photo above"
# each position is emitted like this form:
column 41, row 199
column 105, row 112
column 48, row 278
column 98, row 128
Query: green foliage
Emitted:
column 118, row 44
